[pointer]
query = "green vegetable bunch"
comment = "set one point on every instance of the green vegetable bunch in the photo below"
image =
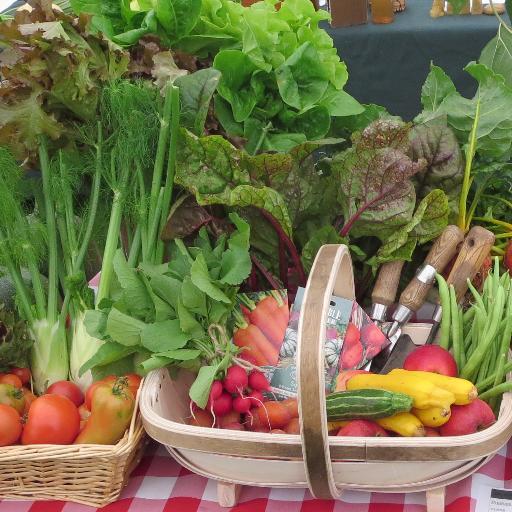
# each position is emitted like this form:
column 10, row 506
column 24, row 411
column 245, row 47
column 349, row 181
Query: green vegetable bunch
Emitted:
column 283, row 80
column 161, row 314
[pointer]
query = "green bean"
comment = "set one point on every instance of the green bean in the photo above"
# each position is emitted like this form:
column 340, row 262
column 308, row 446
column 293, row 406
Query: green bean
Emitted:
column 469, row 315
column 487, row 336
column 461, row 339
column 489, row 381
column 444, row 296
column 496, row 390
column 505, row 342
column 455, row 327
column 476, row 295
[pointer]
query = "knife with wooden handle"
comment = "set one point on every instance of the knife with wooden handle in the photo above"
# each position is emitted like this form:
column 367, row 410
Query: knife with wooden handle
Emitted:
column 384, row 291
column 444, row 249
column 475, row 249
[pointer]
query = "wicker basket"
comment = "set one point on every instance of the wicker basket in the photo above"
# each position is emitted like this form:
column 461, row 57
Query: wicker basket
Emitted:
column 324, row 464
column 88, row 474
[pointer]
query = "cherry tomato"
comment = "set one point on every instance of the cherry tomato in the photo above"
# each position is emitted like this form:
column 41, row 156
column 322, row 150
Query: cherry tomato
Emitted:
column 11, row 379
column 9, row 395
column 52, row 419
column 10, row 425
column 23, row 373
column 67, row 389
column 29, row 398
column 90, row 390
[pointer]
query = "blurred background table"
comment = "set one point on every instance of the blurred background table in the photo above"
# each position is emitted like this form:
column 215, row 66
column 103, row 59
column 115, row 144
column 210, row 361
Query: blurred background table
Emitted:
column 388, row 63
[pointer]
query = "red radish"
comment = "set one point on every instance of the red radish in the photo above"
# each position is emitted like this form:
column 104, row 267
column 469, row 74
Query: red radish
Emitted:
column 236, row 379
column 362, row 428
column 242, row 404
column 293, row 427
column 201, row 419
column 274, row 413
column 258, row 381
column 216, row 390
column 233, row 426
column 277, row 431
column 231, row 417
column 431, row 358
column 256, row 398
column 293, row 406
column 223, row 405
column 468, row 419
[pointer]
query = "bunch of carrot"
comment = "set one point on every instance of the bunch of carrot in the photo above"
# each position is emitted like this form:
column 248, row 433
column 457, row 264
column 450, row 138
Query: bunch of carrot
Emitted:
column 261, row 328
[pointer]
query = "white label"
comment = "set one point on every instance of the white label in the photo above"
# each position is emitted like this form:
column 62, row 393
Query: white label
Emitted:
column 500, row 500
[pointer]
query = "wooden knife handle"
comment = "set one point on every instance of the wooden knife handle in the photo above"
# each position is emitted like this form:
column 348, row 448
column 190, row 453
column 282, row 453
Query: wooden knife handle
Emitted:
column 476, row 247
column 444, row 249
column 384, row 291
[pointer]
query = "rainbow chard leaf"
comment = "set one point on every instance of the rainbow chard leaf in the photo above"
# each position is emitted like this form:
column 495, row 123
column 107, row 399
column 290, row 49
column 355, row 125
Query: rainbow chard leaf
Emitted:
column 429, row 219
column 218, row 173
column 376, row 193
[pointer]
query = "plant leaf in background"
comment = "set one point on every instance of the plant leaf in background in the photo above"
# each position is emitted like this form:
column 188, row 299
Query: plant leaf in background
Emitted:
column 497, row 54
column 437, row 86
column 196, row 93
column 494, row 131
column 376, row 192
column 177, row 17
column 217, row 173
column 427, row 223
column 434, row 141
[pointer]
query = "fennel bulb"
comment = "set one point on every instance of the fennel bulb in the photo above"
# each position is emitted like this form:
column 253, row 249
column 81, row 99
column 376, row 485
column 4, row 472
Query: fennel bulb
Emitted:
column 49, row 354
column 83, row 347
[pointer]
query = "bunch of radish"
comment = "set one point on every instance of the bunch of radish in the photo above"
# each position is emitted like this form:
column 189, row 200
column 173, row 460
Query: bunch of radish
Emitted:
column 237, row 403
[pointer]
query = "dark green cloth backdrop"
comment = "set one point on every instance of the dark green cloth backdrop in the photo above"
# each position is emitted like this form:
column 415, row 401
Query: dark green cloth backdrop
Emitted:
column 388, row 64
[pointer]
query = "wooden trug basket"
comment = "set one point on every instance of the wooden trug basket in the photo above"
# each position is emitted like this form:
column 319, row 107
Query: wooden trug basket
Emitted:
column 325, row 464
column 90, row 474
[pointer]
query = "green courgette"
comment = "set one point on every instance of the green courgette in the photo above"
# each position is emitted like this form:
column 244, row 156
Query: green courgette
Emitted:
column 366, row 404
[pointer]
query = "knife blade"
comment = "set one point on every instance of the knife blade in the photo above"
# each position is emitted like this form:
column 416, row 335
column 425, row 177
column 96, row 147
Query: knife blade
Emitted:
column 442, row 251
column 476, row 247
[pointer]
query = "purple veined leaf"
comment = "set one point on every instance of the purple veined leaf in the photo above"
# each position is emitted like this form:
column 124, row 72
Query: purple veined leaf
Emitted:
column 185, row 219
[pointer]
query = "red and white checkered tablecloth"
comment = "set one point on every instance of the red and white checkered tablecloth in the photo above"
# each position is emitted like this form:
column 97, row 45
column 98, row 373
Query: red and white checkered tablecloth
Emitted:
column 160, row 484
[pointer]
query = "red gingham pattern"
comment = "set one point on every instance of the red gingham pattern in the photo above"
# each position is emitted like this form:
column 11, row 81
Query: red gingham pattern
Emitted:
column 160, row 484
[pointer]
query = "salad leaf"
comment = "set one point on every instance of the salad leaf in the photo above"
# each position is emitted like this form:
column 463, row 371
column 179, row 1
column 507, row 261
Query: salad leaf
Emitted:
column 196, row 93
column 177, row 17
column 15, row 341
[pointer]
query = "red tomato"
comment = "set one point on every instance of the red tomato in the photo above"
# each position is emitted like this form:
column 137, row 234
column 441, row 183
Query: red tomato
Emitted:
column 134, row 381
column 11, row 379
column 67, row 389
column 23, row 373
column 29, row 399
column 52, row 419
column 90, row 390
column 10, row 425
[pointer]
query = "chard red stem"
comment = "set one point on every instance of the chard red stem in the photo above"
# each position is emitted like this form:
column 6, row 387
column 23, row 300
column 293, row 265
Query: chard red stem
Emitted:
column 283, row 263
column 51, row 234
column 265, row 272
column 290, row 246
column 171, row 168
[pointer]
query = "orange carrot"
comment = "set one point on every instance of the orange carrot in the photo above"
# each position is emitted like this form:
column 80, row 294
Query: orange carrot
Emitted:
column 253, row 353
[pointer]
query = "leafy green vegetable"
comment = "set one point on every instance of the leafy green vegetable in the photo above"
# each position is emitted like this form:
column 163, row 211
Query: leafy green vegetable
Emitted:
column 15, row 341
column 497, row 54
column 53, row 70
column 198, row 286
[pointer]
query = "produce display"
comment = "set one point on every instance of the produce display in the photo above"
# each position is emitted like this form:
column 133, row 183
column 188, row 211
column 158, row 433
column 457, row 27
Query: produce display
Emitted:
column 169, row 171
